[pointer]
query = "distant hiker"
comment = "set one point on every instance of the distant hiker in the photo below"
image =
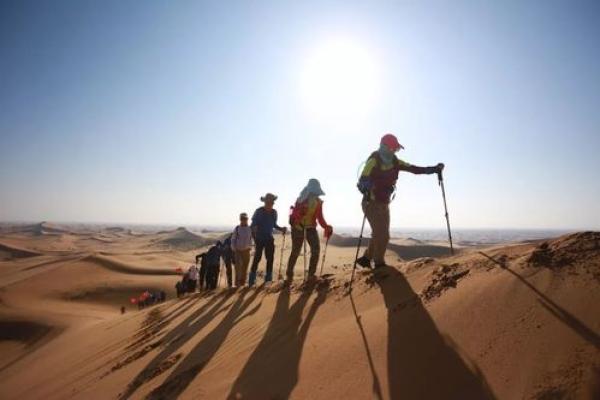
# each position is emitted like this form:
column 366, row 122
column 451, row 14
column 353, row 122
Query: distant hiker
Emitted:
column 122, row 309
column 306, row 212
column 228, row 258
column 192, row 278
column 241, row 243
column 209, row 267
column 180, row 288
column 264, row 221
column 163, row 296
column 377, row 184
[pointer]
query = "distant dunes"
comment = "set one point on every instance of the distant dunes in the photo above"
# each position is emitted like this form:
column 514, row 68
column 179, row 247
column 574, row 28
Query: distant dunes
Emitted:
column 8, row 252
column 411, row 250
column 181, row 239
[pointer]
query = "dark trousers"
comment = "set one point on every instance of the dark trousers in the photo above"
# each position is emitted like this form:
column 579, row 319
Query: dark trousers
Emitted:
column 228, row 272
column 212, row 274
column 268, row 246
column 312, row 237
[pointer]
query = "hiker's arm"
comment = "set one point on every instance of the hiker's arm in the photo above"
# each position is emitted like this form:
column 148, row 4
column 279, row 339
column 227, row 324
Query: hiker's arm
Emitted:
column 281, row 229
column 413, row 169
column 328, row 228
column 233, row 242
column 253, row 226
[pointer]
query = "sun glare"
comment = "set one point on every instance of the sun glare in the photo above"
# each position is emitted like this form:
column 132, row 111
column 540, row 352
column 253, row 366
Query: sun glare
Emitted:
column 339, row 80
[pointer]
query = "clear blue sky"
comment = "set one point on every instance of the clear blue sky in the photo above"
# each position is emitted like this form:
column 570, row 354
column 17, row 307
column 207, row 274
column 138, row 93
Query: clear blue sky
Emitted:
column 185, row 112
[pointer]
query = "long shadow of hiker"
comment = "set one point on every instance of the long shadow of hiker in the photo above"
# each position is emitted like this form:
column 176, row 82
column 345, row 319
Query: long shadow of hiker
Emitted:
column 563, row 315
column 176, row 338
column 204, row 351
column 271, row 372
column 421, row 363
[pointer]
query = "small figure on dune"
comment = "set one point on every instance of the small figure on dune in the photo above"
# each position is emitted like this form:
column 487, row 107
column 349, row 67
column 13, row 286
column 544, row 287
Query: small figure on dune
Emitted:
column 241, row 243
column 122, row 310
column 228, row 259
column 209, row 267
column 192, row 280
column 303, row 220
column 264, row 221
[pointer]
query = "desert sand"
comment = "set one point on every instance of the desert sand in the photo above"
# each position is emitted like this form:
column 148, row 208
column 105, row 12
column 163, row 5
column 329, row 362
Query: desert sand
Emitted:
column 519, row 321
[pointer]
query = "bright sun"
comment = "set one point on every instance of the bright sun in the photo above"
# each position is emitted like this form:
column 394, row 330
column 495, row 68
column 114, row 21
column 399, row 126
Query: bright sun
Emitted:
column 340, row 80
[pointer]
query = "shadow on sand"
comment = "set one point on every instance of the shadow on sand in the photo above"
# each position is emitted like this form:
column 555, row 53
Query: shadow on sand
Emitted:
column 271, row 372
column 422, row 363
column 560, row 313
column 176, row 338
column 195, row 361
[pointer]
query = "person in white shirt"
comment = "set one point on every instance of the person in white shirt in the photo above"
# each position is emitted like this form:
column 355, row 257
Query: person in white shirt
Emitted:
column 241, row 243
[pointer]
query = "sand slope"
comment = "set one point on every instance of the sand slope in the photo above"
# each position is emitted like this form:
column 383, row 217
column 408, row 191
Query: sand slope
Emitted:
column 505, row 322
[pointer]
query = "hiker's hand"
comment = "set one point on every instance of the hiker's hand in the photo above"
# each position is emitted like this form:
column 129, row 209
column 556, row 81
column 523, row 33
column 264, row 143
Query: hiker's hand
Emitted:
column 328, row 231
column 440, row 167
column 364, row 185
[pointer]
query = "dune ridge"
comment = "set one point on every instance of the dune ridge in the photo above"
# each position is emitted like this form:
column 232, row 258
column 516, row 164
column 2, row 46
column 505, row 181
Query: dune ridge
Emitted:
column 498, row 322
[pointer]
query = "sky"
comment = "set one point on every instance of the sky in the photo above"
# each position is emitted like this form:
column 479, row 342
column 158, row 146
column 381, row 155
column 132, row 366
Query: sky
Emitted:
column 186, row 112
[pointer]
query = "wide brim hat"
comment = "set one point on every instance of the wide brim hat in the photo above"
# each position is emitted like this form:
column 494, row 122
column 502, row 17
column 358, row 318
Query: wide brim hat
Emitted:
column 268, row 196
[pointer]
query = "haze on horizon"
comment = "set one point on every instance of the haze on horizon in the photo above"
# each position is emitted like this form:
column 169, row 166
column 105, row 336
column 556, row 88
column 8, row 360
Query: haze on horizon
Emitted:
column 185, row 113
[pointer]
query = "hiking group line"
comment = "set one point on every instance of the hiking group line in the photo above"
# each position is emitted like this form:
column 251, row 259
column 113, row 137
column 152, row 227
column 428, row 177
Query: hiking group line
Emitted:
column 377, row 184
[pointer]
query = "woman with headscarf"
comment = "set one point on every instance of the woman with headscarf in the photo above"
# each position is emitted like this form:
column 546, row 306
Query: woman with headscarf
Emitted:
column 306, row 212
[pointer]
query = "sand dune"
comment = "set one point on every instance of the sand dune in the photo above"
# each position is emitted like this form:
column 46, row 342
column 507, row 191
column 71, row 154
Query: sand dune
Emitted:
column 504, row 322
column 8, row 252
column 180, row 239
column 407, row 249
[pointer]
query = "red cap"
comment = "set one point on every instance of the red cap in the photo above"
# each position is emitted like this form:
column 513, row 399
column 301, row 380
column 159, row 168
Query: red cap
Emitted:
column 391, row 142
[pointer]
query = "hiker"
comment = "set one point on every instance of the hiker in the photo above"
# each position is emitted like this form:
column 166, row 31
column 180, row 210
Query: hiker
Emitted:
column 192, row 280
column 303, row 220
column 241, row 243
column 377, row 183
column 180, row 288
column 228, row 259
column 264, row 221
column 209, row 267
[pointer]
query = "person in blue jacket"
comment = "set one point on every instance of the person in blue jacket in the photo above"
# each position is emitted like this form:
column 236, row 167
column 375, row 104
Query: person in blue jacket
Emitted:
column 264, row 221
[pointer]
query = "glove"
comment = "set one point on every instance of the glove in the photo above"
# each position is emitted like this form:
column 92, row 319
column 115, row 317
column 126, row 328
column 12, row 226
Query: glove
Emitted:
column 440, row 167
column 364, row 185
column 328, row 231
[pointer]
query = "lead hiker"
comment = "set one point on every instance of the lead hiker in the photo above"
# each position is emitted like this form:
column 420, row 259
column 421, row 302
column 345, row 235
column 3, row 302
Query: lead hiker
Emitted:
column 377, row 183
column 303, row 220
column 241, row 243
column 264, row 221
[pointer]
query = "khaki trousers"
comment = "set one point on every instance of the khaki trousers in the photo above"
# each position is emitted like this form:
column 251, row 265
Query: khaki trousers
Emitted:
column 242, row 260
column 378, row 215
column 312, row 237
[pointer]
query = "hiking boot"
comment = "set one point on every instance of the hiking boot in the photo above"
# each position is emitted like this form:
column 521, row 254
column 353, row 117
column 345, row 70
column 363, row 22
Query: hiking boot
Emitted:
column 364, row 262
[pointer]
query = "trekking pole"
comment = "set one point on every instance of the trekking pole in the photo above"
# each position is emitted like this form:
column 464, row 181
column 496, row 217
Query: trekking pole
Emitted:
column 304, row 246
column 280, row 277
column 324, row 255
column 357, row 250
column 441, row 183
